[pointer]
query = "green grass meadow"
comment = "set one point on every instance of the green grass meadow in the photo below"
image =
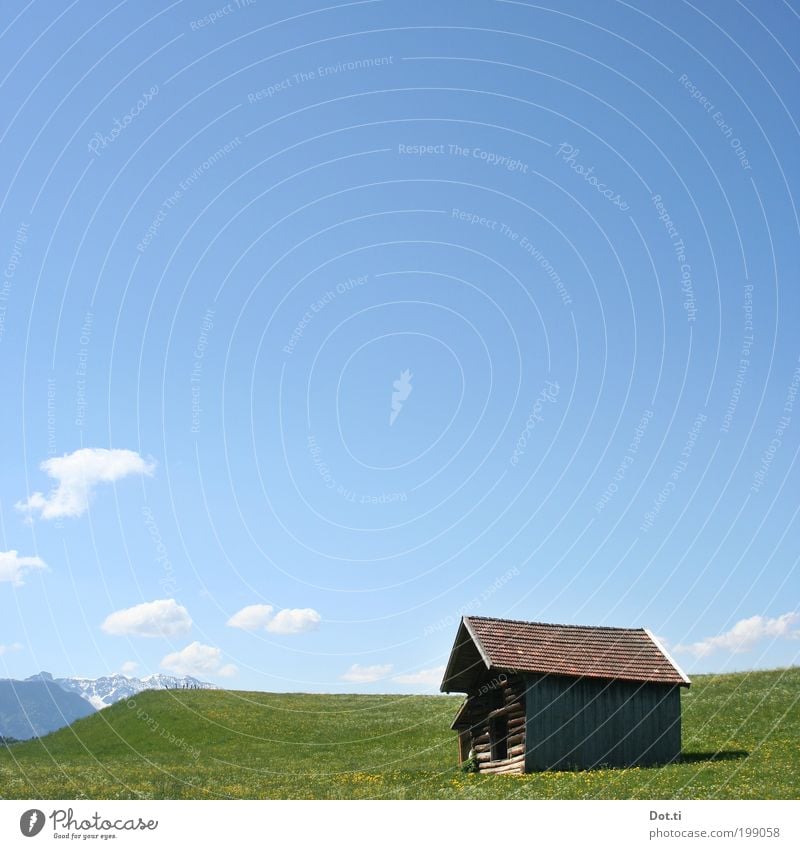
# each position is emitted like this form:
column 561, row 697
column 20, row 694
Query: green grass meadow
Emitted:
column 741, row 740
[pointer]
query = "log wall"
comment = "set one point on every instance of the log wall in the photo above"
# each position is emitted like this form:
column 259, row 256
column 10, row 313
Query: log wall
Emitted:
column 506, row 697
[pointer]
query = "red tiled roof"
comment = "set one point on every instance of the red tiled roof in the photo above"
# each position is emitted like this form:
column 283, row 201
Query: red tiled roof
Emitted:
column 596, row 652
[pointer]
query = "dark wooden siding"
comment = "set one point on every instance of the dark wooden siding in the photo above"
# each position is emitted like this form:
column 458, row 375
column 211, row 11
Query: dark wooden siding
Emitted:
column 463, row 746
column 503, row 696
column 581, row 723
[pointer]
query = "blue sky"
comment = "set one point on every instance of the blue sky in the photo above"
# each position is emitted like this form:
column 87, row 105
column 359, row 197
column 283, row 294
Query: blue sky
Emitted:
column 323, row 325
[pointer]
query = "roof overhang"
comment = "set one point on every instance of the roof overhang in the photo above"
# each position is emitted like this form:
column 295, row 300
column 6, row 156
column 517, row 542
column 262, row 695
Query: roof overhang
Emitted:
column 468, row 662
column 669, row 657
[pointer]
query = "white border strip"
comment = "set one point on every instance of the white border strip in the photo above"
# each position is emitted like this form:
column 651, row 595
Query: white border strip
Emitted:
column 612, row 824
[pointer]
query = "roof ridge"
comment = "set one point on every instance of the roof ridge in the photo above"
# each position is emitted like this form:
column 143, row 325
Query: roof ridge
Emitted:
column 555, row 624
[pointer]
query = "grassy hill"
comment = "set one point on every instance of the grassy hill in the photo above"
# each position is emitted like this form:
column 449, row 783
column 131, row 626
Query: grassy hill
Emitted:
column 741, row 740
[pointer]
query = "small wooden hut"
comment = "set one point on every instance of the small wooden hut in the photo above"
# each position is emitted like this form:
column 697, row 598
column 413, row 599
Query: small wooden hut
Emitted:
column 553, row 697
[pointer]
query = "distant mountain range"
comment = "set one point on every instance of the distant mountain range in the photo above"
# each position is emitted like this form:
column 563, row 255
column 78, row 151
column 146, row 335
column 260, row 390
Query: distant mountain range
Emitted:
column 102, row 692
column 33, row 708
column 41, row 704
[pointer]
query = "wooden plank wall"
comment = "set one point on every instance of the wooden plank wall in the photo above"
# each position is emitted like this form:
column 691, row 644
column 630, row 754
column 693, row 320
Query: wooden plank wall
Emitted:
column 581, row 723
column 508, row 698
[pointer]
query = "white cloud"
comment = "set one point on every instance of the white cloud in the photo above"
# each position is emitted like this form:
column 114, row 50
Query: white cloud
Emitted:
column 425, row 677
column 129, row 667
column 254, row 617
column 745, row 634
column 294, row 621
column 13, row 567
column 161, row 618
column 251, row 618
column 197, row 659
column 359, row 674
column 8, row 649
column 77, row 475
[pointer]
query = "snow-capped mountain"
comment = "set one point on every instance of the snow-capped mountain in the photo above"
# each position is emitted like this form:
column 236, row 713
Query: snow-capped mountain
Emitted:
column 102, row 692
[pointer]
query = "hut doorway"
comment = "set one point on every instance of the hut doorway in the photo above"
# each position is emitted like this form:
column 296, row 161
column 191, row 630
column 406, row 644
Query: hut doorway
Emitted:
column 498, row 737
